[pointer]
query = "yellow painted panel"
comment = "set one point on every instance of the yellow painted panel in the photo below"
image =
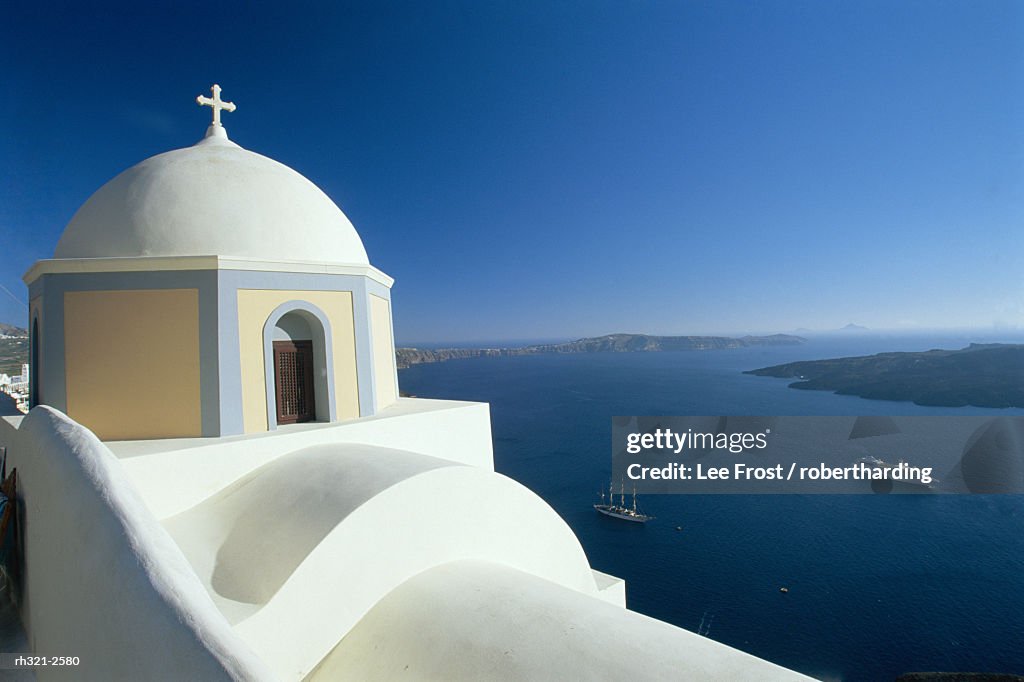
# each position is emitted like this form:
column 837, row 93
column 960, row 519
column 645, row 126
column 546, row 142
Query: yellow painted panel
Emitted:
column 254, row 307
column 383, row 351
column 132, row 362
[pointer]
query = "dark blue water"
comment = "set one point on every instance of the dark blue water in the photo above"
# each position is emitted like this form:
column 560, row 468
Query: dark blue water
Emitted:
column 879, row 585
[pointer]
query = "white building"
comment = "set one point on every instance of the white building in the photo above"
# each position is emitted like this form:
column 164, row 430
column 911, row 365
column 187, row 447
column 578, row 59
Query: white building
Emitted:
column 219, row 480
column 19, row 382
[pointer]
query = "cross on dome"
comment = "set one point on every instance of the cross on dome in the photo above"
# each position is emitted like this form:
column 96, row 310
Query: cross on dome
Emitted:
column 215, row 103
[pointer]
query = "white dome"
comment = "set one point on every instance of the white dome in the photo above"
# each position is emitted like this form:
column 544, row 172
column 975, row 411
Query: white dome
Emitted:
column 212, row 199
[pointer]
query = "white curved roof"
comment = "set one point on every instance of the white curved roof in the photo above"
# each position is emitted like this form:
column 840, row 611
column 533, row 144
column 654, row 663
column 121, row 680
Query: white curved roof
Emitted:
column 212, row 199
column 478, row 620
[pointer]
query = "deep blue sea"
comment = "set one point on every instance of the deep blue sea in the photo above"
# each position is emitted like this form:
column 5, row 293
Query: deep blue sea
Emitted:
column 878, row 585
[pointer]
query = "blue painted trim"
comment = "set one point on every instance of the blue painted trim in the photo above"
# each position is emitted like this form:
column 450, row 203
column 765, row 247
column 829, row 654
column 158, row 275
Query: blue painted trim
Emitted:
column 357, row 285
column 35, row 289
column 364, row 352
column 220, row 365
column 209, row 375
column 229, row 363
column 378, row 289
column 323, row 345
column 52, row 288
column 309, row 281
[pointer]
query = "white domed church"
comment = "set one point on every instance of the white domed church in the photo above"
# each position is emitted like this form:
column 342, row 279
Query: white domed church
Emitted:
column 219, row 480
column 210, row 291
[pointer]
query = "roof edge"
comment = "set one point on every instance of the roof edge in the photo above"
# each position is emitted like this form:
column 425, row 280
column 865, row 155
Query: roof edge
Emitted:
column 49, row 266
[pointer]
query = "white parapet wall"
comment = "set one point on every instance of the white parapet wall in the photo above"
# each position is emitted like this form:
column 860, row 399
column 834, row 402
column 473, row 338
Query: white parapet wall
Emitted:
column 103, row 580
column 328, row 552
column 173, row 475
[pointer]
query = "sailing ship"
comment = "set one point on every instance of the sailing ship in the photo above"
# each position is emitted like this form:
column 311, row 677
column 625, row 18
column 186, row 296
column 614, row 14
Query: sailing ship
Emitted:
column 620, row 510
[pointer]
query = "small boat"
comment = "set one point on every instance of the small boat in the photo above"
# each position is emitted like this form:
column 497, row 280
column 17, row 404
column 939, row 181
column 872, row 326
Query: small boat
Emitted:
column 784, row 590
column 620, row 510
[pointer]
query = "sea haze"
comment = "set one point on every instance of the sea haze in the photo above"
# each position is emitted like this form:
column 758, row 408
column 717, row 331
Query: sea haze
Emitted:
column 507, row 343
column 878, row 586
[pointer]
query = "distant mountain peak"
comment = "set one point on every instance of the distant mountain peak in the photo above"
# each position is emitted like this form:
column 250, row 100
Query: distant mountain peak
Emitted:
column 854, row 328
column 11, row 330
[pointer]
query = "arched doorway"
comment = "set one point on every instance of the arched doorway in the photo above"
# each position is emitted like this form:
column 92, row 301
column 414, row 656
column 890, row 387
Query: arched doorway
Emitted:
column 294, row 390
column 300, row 384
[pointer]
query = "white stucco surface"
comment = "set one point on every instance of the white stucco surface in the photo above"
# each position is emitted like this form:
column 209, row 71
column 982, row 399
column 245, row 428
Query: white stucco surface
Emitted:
column 105, row 581
column 472, row 620
column 173, row 475
column 213, row 198
column 337, row 560
column 334, row 528
column 610, row 588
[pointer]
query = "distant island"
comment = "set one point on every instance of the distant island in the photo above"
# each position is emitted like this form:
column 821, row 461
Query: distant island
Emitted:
column 611, row 343
column 982, row 375
column 851, row 327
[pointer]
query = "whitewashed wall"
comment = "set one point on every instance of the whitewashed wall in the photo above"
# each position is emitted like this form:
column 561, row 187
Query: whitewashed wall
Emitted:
column 105, row 582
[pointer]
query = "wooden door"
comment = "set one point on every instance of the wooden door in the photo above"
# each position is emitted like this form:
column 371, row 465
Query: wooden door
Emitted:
column 293, row 381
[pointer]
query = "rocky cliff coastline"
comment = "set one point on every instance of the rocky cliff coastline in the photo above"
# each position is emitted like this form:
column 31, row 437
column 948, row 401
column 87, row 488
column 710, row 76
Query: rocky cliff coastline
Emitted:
column 614, row 343
column 983, row 375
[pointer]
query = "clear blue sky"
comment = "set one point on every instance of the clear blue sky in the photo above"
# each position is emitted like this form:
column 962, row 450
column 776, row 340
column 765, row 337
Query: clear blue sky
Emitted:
column 553, row 169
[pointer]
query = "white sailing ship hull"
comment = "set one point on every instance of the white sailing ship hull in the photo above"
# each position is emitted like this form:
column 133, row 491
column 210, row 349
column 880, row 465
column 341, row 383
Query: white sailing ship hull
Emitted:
column 624, row 514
